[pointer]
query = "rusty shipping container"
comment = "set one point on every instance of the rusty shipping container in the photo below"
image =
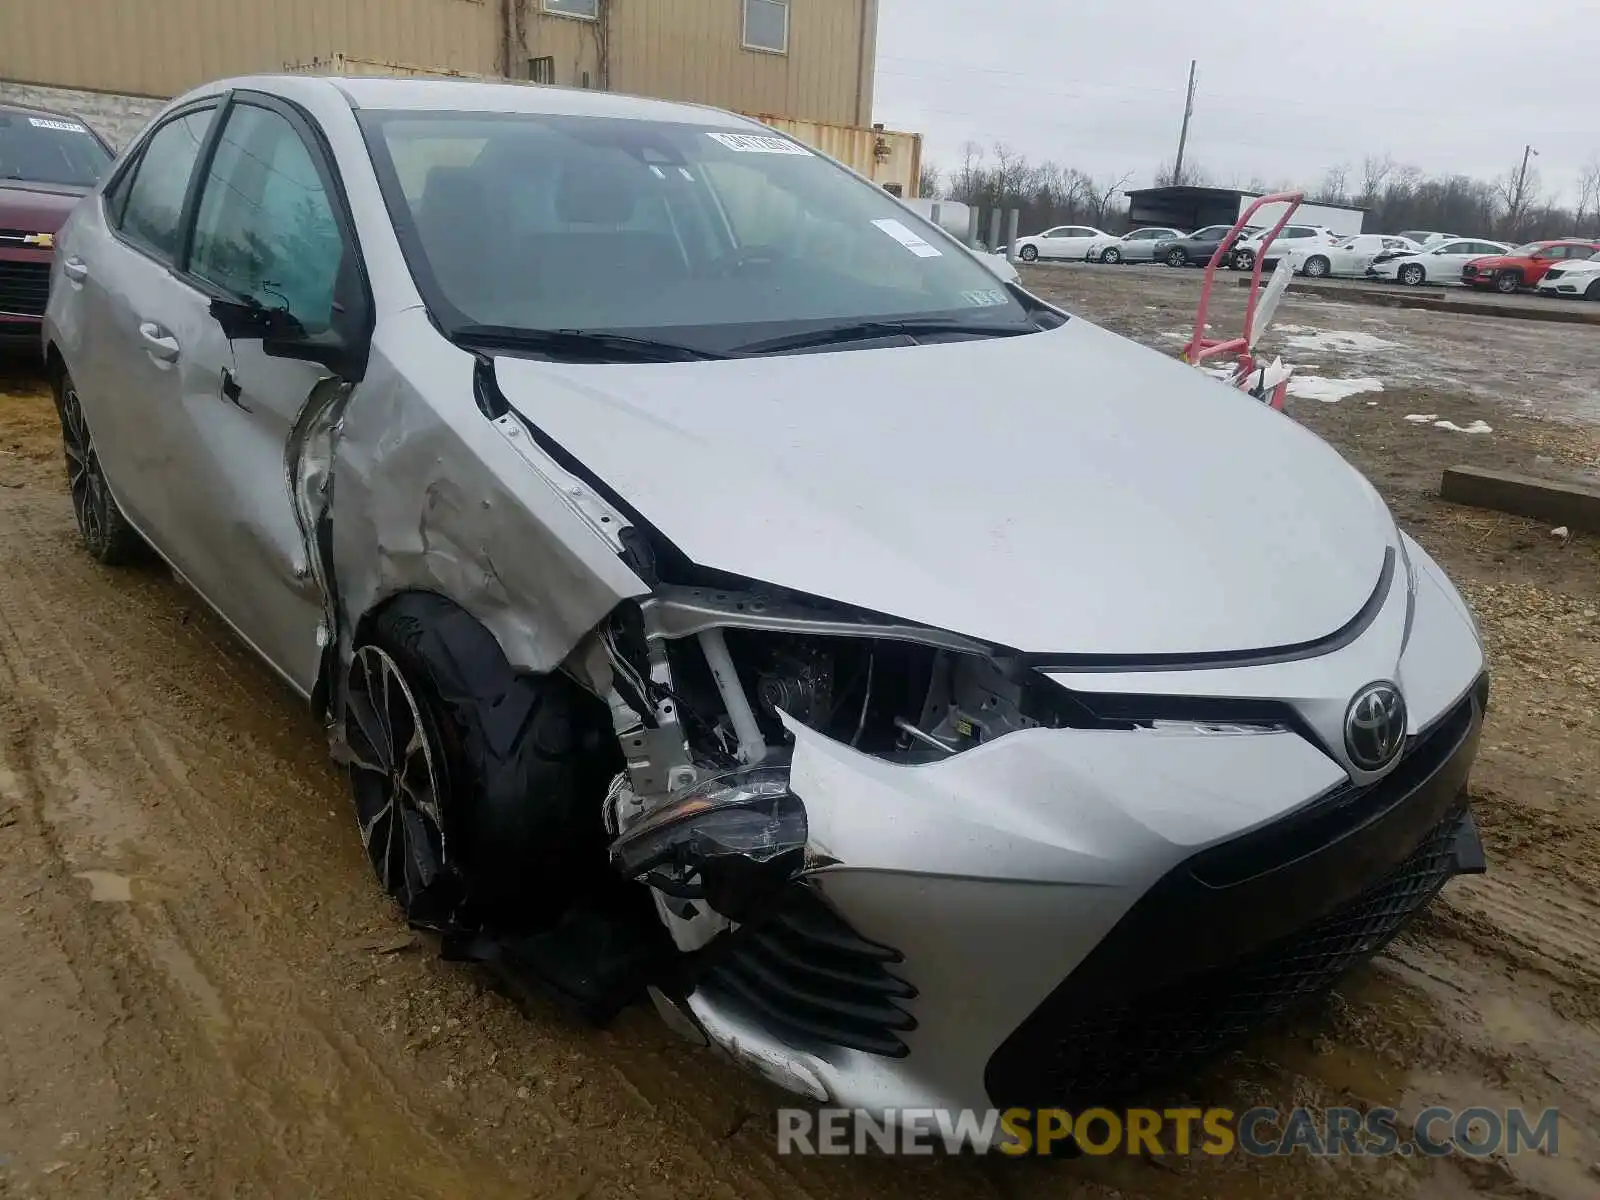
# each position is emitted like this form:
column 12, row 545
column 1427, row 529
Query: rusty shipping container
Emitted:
column 890, row 158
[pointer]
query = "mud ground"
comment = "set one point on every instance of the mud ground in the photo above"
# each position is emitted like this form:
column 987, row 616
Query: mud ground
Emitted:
column 202, row 993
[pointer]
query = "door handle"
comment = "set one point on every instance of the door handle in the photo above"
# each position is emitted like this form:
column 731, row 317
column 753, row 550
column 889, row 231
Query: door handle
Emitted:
column 75, row 269
column 161, row 344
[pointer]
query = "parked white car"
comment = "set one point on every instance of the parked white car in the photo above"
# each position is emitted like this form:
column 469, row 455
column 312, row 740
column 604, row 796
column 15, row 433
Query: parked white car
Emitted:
column 1347, row 256
column 1293, row 237
column 1064, row 241
column 1138, row 246
column 1573, row 280
column 1427, row 237
column 1440, row 263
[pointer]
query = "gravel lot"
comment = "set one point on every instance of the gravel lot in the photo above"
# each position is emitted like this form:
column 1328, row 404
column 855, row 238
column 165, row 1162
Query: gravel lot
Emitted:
column 203, row 993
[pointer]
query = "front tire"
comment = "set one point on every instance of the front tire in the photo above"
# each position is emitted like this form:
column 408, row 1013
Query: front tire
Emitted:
column 1028, row 254
column 1243, row 260
column 106, row 534
column 481, row 795
column 1177, row 258
column 1111, row 255
column 1318, row 267
column 1507, row 282
column 1592, row 292
column 1412, row 275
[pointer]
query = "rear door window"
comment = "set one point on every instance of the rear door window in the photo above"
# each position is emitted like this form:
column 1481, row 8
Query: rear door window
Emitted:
column 153, row 207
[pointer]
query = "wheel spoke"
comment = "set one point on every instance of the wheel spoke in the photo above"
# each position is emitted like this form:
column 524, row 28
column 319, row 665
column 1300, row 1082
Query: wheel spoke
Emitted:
column 371, row 730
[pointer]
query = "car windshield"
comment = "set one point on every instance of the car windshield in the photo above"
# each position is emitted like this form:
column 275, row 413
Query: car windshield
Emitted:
column 50, row 150
column 1526, row 251
column 714, row 237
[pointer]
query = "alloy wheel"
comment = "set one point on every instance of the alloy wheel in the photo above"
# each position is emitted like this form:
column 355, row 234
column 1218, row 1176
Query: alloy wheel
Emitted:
column 1028, row 254
column 395, row 777
column 1111, row 255
column 1411, row 274
column 1317, row 268
column 85, row 480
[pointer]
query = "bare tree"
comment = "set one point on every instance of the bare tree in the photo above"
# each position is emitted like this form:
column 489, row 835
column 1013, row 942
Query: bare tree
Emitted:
column 1101, row 194
column 1588, row 192
column 1334, row 182
column 1517, row 192
column 1375, row 172
column 1194, row 175
column 930, row 184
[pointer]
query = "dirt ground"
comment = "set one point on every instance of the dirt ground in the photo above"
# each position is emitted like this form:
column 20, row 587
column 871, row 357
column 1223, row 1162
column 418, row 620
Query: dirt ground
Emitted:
column 202, row 993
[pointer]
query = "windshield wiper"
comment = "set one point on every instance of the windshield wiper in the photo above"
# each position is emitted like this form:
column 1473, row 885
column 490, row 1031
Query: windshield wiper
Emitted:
column 587, row 344
column 862, row 331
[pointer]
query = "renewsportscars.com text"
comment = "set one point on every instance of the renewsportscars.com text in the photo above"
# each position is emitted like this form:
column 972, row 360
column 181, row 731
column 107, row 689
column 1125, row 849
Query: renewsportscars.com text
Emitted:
column 1258, row 1132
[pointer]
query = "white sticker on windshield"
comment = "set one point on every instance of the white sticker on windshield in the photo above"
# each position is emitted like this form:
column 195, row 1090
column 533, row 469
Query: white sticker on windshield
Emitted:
column 63, row 126
column 984, row 299
column 900, row 233
column 757, row 143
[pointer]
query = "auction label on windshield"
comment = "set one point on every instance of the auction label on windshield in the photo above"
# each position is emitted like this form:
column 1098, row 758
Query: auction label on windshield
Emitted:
column 63, row 126
column 756, row 143
column 900, row 233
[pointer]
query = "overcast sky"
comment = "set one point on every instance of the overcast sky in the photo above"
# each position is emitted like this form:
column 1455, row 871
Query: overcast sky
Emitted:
column 1447, row 85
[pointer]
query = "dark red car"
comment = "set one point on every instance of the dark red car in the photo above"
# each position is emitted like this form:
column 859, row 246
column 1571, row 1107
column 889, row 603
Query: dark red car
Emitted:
column 47, row 161
column 1524, row 266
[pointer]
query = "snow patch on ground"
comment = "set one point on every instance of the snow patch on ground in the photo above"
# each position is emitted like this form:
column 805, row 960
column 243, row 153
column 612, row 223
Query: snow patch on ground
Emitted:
column 1334, row 341
column 1478, row 426
column 1331, row 391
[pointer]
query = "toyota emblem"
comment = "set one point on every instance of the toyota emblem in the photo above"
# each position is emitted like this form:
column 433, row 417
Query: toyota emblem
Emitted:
column 1375, row 726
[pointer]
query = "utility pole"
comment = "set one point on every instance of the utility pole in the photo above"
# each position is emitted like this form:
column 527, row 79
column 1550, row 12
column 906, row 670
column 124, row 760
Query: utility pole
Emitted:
column 1522, row 180
column 1183, row 134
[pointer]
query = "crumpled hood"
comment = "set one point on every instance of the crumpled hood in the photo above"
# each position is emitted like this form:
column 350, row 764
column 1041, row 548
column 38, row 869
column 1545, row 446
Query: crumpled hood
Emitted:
column 1062, row 492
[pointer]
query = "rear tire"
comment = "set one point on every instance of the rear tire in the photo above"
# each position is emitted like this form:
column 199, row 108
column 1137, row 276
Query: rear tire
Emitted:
column 106, row 534
column 1177, row 258
column 1028, row 254
column 480, row 795
column 1507, row 282
column 1111, row 255
column 1412, row 275
column 1318, row 267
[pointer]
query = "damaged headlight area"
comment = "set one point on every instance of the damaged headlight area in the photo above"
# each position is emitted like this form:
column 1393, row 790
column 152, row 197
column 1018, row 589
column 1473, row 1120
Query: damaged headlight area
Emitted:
column 730, row 840
column 703, row 683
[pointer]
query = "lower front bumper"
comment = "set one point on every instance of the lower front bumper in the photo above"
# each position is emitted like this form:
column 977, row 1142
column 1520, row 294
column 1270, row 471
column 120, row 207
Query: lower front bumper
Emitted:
column 1241, row 932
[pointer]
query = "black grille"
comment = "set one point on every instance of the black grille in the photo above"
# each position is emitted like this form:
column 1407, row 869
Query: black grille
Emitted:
column 24, row 288
column 1088, row 1051
column 806, row 973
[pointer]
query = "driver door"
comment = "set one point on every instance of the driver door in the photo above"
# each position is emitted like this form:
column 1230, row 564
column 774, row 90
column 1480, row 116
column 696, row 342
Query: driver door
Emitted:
column 268, row 231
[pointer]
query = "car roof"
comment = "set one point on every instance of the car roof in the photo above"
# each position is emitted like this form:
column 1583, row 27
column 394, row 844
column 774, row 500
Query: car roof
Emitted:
column 471, row 95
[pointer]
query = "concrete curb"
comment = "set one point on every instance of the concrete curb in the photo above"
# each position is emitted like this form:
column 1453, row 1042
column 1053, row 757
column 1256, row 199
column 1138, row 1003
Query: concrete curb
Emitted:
column 1573, row 502
column 1575, row 312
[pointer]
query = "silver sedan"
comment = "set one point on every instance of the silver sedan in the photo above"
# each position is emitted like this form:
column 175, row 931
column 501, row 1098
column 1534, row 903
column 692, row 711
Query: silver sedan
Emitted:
column 707, row 600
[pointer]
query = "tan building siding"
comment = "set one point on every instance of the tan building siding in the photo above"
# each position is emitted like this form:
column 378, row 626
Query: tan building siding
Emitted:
column 677, row 49
column 163, row 47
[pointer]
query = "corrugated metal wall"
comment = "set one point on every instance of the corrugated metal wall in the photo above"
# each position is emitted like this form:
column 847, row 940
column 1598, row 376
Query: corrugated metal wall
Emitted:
column 885, row 156
column 163, row 47
column 677, row 49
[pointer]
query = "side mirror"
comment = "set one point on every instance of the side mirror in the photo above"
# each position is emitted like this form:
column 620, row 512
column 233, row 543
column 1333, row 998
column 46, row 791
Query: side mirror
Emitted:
column 341, row 348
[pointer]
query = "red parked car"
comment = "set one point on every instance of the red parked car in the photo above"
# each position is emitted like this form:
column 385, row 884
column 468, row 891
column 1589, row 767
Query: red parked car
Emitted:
column 47, row 161
column 1524, row 266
